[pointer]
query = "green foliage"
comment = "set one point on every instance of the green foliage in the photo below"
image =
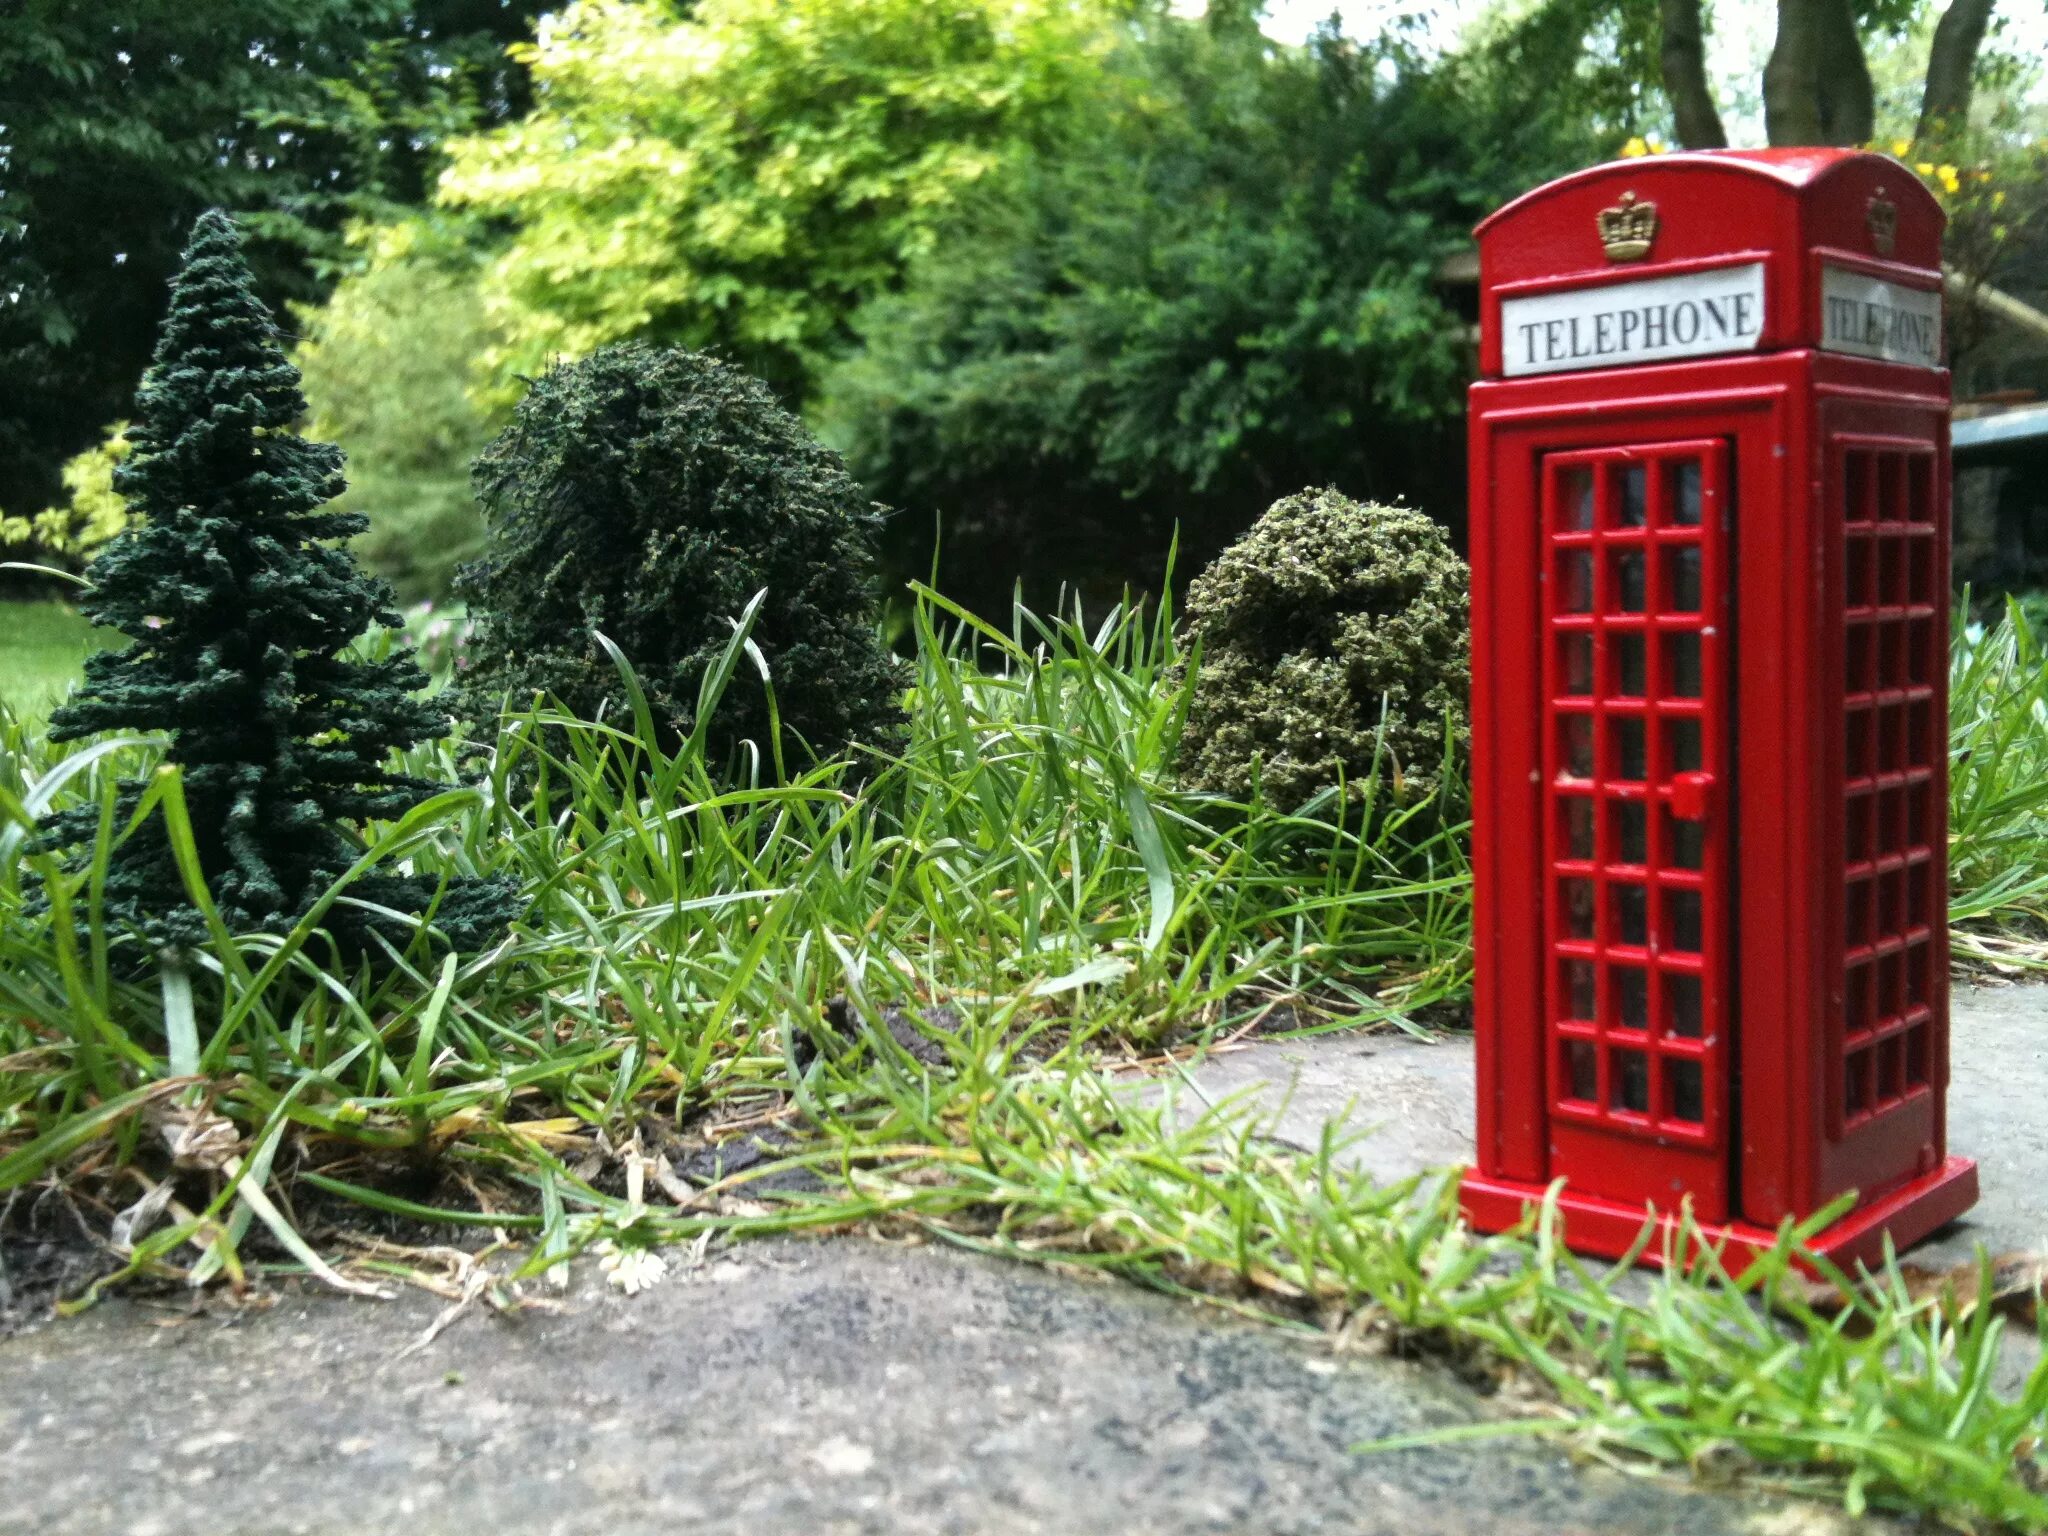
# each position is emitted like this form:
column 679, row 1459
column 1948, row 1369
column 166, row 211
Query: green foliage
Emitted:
column 1029, row 860
column 43, row 646
column 1333, row 652
column 428, row 72
column 239, row 608
column 741, row 177
column 123, row 119
column 648, row 496
column 1227, row 287
column 91, row 513
column 1998, row 783
column 388, row 366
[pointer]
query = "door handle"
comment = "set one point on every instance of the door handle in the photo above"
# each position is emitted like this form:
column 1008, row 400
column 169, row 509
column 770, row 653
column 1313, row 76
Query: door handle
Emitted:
column 1692, row 796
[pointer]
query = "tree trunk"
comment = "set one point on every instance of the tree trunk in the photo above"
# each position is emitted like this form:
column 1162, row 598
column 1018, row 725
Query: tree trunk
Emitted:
column 1951, row 67
column 1684, row 59
column 1792, row 75
column 1848, row 99
column 1817, row 87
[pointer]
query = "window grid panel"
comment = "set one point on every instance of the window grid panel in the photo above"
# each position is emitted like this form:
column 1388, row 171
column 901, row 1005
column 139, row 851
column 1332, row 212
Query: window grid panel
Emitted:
column 1633, row 669
column 1892, row 893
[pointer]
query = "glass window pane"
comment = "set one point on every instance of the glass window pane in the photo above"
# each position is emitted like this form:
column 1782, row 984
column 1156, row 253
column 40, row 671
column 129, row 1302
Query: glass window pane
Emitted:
column 1682, row 493
column 1575, row 499
column 1630, row 1079
column 1630, row 586
column 1632, row 496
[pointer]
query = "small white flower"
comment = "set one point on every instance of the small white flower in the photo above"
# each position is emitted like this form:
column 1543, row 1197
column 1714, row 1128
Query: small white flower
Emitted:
column 152, row 622
column 632, row 1270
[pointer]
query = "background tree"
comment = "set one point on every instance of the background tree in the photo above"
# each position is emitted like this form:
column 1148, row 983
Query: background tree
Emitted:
column 241, row 610
column 390, row 365
column 1227, row 289
column 742, row 178
column 121, row 120
column 1817, row 85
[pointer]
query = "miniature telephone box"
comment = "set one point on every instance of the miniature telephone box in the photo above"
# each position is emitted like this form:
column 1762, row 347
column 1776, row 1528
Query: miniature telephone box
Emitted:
column 1709, row 531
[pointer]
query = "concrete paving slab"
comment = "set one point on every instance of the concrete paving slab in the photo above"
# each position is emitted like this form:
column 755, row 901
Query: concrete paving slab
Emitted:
column 1411, row 1104
column 839, row 1386
column 809, row 1388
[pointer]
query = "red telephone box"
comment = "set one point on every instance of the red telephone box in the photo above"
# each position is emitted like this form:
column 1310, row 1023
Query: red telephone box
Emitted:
column 1710, row 505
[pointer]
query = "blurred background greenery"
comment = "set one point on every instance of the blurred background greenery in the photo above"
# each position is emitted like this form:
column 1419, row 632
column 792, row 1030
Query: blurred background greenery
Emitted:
column 1060, row 278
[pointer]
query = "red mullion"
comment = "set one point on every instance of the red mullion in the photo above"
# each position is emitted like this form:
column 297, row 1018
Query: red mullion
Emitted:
column 1556, row 624
column 1656, row 780
column 1603, row 966
column 1716, row 621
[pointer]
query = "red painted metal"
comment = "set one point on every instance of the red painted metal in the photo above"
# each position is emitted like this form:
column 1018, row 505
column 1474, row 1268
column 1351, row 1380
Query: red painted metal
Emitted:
column 1710, row 609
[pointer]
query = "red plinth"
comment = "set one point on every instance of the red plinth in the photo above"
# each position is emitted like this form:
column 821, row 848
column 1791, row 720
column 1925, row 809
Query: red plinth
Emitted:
column 1608, row 1229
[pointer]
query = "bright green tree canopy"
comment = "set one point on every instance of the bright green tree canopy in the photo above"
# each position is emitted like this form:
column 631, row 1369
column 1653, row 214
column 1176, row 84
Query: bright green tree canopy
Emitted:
column 743, row 178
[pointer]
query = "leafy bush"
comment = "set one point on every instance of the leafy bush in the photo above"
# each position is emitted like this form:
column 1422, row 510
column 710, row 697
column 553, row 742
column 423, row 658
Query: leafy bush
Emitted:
column 92, row 512
column 1333, row 650
column 388, row 371
column 648, row 495
column 1226, row 289
column 742, row 175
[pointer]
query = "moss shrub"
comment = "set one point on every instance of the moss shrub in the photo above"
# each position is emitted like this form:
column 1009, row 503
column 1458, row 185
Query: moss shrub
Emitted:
column 648, row 494
column 1325, row 619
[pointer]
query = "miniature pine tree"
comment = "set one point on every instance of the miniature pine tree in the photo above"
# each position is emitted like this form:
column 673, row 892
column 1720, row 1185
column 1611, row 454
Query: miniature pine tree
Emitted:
column 240, row 608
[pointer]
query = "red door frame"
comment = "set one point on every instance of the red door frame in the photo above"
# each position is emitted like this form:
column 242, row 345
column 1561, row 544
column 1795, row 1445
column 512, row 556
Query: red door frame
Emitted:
column 1651, row 1144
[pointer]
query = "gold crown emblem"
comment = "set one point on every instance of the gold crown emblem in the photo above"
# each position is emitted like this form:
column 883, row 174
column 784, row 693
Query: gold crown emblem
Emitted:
column 1627, row 229
column 1882, row 215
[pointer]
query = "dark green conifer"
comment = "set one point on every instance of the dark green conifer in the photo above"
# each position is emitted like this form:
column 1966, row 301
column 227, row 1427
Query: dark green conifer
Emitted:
column 646, row 494
column 240, row 609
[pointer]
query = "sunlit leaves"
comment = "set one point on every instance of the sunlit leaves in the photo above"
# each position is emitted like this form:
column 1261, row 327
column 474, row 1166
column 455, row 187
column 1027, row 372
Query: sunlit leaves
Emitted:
column 743, row 178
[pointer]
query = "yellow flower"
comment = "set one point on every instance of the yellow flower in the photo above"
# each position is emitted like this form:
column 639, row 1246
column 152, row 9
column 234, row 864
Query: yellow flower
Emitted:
column 1924, row 167
column 1635, row 147
column 1949, row 179
column 1900, row 146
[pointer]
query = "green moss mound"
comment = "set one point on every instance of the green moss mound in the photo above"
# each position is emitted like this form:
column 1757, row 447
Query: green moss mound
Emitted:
column 648, row 494
column 1334, row 650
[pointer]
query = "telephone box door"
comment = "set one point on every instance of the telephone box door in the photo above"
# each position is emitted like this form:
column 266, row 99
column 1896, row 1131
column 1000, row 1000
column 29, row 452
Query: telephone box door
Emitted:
column 1636, row 838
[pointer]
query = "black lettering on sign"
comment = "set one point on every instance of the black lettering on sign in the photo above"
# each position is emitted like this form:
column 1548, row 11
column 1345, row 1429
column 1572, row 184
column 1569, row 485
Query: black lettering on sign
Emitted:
column 1692, row 314
column 1875, row 317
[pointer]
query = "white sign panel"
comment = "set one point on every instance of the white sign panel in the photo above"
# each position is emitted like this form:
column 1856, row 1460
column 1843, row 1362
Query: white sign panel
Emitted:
column 1650, row 320
column 1873, row 318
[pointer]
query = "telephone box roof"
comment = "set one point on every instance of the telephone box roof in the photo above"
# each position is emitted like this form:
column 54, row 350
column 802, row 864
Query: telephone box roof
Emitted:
column 1793, row 229
column 1794, row 168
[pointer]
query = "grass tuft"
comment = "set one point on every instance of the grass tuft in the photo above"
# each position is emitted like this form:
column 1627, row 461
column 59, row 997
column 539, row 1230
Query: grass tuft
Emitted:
column 1027, row 880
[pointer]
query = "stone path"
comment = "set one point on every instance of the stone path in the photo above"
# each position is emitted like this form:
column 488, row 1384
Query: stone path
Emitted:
column 807, row 1388
column 1411, row 1103
column 840, row 1386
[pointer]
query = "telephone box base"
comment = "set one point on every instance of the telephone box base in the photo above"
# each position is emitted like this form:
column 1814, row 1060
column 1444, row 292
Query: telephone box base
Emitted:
column 1608, row 1228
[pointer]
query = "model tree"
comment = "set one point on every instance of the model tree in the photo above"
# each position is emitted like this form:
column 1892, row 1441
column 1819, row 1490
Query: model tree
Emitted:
column 241, row 607
column 1334, row 648
column 646, row 494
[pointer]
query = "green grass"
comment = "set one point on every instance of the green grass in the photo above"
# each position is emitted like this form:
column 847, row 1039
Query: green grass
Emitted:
column 1998, row 788
column 43, row 646
column 1028, row 862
